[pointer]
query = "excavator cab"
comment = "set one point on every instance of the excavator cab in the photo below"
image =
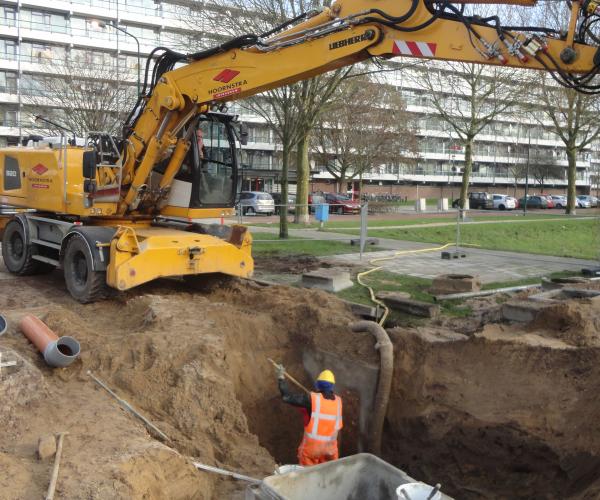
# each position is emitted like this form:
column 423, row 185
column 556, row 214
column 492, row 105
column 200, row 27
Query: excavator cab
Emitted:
column 208, row 177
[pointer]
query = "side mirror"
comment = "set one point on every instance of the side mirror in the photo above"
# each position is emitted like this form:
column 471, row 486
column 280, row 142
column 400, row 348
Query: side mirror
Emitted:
column 243, row 134
column 89, row 164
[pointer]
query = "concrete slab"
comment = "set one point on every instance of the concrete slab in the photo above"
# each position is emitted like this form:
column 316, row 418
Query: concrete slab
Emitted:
column 331, row 280
column 446, row 284
column 524, row 311
column 399, row 302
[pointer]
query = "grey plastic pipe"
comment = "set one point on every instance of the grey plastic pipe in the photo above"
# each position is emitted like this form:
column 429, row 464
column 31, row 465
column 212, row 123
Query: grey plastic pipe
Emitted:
column 57, row 352
column 384, row 383
column 3, row 325
column 62, row 352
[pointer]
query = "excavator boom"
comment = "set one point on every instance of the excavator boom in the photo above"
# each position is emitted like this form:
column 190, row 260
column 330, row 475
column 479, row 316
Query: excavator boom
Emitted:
column 350, row 31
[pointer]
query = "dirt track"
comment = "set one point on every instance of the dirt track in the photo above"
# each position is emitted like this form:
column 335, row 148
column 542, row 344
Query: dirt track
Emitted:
column 491, row 414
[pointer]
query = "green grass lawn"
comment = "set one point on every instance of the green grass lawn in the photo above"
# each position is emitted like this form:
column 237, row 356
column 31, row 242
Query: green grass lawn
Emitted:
column 417, row 288
column 404, row 220
column 265, row 245
column 562, row 238
column 382, row 281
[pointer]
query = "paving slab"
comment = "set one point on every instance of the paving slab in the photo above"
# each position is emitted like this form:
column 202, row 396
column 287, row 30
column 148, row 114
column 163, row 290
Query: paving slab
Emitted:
column 488, row 265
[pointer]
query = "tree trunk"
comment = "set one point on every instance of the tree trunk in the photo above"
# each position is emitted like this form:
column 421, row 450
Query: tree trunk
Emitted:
column 464, row 189
column 302, row 181
column 283, row 222
column 342, row 181
column 572, row 178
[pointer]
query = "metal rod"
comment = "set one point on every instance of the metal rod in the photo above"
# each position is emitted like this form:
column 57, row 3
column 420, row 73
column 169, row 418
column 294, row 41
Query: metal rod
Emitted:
column 483, row 293
column 54, row 477
column 225, row 472
column 130, row 409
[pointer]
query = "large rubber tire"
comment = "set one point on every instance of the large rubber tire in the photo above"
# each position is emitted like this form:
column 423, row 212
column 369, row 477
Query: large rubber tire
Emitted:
column 250, row 211
column 17, row 251
column 83, row 283
column 502, row 207
column 340, row 210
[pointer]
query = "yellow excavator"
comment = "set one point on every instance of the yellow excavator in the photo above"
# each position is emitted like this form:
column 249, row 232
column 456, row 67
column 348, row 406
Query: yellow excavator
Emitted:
column 121, row 213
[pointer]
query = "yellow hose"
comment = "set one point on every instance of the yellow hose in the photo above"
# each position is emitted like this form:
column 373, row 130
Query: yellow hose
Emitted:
column 396, row 254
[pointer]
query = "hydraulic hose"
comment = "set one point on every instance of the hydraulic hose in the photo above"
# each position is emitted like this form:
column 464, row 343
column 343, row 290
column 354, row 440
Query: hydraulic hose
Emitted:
column 384, row 383
column 359, row 276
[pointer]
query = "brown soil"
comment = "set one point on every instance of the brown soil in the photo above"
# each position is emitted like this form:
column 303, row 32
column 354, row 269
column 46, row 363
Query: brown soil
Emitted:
column 297, row 264
column 491, row 411
column 576, row 322
column 506, row 413
column 193, row 361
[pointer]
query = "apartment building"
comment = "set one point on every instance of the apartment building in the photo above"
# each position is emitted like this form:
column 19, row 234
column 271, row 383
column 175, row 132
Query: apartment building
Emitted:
column 36, row 35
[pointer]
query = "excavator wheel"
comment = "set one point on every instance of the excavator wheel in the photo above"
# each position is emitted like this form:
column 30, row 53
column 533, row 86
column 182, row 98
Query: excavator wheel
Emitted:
column 84, row 284
column 17, row 251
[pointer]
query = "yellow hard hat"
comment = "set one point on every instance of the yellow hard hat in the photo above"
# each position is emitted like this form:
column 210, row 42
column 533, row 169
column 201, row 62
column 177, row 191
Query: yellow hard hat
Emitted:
column 326, row 376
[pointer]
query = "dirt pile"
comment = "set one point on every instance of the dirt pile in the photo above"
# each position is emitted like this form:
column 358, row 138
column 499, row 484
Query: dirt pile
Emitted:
column 194, row 362
column 576, row 322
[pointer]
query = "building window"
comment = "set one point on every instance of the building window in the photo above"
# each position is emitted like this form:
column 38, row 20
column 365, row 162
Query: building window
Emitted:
column 9, row 15
column 8, row 49
column 8, row 82
column 258, row 134
column 8, row 117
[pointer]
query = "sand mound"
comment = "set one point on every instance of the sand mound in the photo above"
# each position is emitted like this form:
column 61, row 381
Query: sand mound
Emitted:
column 576, row 322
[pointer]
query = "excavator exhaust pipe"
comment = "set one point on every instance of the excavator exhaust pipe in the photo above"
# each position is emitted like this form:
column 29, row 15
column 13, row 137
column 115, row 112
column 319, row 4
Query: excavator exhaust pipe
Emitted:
column 57, row 352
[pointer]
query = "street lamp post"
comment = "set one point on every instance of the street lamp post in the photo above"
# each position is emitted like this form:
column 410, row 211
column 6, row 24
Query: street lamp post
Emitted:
column 102, row 24
column 527, row 173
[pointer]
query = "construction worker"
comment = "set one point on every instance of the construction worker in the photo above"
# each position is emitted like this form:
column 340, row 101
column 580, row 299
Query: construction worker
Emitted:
column 322, row 418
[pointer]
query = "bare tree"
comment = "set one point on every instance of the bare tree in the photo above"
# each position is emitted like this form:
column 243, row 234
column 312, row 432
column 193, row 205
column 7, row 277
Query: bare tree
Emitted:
column 85, row 97
column 543, row 167
column 367, row 126
column 571, row 115
column 291, row 111
column 574, row 119
column 468, row 97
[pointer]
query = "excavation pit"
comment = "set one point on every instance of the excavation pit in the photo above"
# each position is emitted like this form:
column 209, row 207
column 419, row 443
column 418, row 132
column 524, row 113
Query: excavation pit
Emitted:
column 478, row 413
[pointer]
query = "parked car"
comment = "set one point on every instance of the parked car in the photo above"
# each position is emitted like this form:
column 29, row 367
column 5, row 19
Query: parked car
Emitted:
column 341, row 204
column 291, row 208
column 559, row 200
column 504, row 202
column 587, row 201
column 478, row 200
column 584, row 201
column 256, row 202
column 534, row 202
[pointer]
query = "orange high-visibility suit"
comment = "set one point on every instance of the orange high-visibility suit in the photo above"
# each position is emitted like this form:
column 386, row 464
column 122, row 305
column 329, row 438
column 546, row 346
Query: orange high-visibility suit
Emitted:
column 319, row 443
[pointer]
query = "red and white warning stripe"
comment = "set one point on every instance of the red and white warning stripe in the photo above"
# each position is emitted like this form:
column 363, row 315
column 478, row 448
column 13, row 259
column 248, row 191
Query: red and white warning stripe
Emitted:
column 419, row 49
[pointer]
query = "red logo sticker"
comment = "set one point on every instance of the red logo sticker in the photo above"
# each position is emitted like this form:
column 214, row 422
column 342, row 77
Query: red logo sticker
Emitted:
column 39, row 169
column 226, row 75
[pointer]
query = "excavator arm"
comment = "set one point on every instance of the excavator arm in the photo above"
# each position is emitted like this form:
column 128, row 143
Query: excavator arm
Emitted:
column 349, row 32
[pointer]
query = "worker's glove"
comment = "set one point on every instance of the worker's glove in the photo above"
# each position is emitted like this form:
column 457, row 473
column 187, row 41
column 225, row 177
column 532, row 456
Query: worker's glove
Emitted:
column 280, row 369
